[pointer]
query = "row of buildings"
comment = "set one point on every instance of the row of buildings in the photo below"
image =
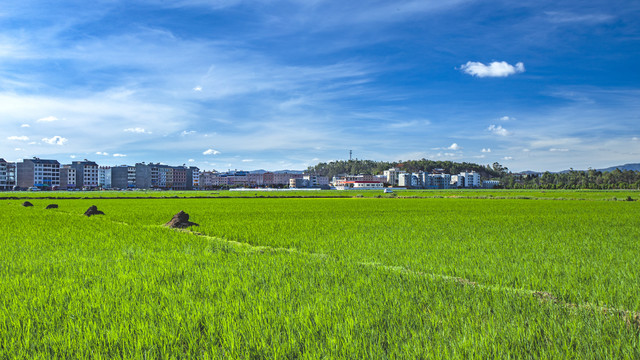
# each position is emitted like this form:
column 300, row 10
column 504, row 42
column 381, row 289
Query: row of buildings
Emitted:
column 394, row 177
column 51, row 175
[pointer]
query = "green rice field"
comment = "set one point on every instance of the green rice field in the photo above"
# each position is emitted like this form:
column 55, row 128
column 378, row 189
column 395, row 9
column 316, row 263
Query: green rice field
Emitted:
column 288, row 275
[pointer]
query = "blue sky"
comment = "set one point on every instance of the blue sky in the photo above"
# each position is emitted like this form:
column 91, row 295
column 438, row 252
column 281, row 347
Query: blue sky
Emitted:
column 234, row 84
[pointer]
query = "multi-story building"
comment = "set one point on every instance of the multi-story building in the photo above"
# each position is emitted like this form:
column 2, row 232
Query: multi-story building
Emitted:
column 341, row 179
column 44, row 174
column 104, row 177
column 466, row 180
column 7, row 175
column 122, row 177
column 436, row 181
column 195, row 177
column 68, row 177
column 393, row 176
column 86, row 173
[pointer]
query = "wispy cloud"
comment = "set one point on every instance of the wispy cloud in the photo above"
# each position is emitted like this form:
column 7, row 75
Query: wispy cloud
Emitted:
column 454, row 146
column 558, row 150
column 119, row 155
column 487, row 150
column 507, row 158
column 498, row 130
column 137, row 130
column 18, row 138
column 185, row 132
column 569, row 17
column 102, row 153
column 25, row 125
column 48, row 119
column 211, row 152
column 494, row 69
column 55, row 140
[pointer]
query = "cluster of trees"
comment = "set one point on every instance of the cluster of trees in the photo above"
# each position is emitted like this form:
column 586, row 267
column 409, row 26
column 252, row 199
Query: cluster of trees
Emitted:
column 371, row 167
column 591, row 179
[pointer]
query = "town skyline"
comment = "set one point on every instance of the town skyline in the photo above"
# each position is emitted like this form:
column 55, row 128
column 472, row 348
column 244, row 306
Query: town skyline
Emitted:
column 287, row 84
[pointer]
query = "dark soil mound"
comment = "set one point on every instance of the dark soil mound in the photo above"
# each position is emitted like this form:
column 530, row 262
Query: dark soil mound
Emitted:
column 27, row 204
column 93, row 210
column 180, row 220
column 52, row 206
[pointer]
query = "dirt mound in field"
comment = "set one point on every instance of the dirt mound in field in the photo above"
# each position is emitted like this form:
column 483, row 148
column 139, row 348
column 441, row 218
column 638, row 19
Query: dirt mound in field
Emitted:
column 52, row 206
column 27, row 204
column 93, row 210
column 181, row 221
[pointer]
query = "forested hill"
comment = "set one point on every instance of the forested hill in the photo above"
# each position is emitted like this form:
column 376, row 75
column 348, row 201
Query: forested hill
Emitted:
column 355, row 167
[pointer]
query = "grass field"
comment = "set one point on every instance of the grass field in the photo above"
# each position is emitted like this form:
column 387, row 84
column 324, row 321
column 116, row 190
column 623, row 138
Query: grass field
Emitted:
column 323, row 277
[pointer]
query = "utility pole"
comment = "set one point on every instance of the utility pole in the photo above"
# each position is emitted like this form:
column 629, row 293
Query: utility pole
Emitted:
column 350, row 152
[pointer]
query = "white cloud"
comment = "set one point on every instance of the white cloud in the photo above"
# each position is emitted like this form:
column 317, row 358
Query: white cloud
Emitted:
column 18, row 138
column 102, row 153
column 137, row 130
column 487, row 150
column 25, row 125
column 48, row 119
column 558, row 150
column 73, row 156
column 247, row 160
column 55, row 140
column 635, row 138
column 525, row 150
column 18, row 149
column 197, row 88
column 498, row 130
column 507, row 158
column 506, row 118
column 119, row 155
column 494, row 69
column 454, row 146
column 211, row 152
column 191, row 160
column 185, row 132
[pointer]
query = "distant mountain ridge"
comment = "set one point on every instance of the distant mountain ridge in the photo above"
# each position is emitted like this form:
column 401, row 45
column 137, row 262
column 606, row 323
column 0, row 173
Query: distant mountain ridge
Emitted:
column 625, row 167
column 632, row 167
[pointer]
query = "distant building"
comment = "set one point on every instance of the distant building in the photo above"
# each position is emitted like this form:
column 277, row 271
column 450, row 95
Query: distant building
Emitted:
column 340, row 180
column 86, row 174
column 490, row 184
column 7, row 175
column 123, row 177
column 104, row 177
column 67, row 177
column 309, row 181
column 393, row 176
column 44, row 174
column 360, row 185
column 469, row 180
column 438, row 180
